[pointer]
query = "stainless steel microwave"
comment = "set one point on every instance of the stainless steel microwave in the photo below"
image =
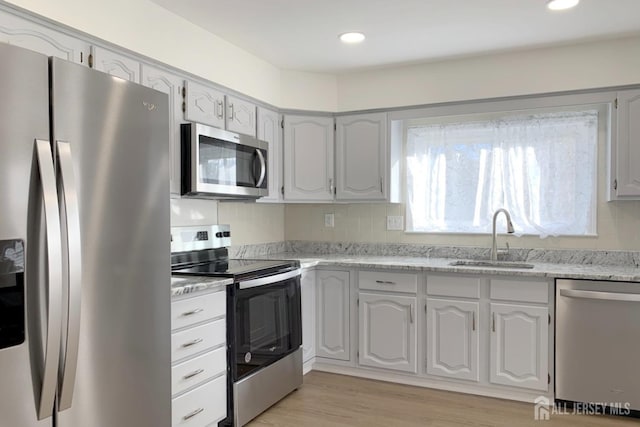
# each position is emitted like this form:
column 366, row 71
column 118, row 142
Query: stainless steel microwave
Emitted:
column 222, row 165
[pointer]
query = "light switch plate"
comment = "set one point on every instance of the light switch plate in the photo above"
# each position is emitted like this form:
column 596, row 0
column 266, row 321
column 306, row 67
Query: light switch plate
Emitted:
column 394, row 222
column 328, row 220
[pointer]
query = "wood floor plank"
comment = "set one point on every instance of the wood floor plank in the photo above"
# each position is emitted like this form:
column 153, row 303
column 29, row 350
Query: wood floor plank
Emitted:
column 330, row 400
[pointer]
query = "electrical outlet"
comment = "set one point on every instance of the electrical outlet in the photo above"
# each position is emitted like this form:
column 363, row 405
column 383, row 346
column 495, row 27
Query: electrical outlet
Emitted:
column 394, row 222
column 328, row 220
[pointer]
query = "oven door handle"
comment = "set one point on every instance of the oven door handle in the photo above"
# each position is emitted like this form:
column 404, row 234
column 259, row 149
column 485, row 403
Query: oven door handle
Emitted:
column 269, row 280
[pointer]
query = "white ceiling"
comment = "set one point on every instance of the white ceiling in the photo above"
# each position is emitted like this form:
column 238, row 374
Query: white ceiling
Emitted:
column 302, row 34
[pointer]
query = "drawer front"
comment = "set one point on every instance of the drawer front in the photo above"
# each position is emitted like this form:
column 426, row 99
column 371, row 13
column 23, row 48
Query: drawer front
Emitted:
column 389, row 282
column 198, row 370
column 194, row 340
column 519, row 290
column 202, row 406
column 452, row 286
column 198, row 309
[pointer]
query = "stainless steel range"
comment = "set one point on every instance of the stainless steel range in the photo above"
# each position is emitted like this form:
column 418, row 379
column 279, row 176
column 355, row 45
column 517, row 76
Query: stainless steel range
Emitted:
column 264, row 328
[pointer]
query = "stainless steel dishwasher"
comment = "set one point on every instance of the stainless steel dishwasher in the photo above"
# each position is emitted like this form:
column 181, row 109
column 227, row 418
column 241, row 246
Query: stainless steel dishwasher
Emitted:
column 598, row 342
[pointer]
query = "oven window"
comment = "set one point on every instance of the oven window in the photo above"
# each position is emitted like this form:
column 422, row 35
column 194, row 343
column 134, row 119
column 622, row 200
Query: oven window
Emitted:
column 268, row 325
column 226, row 163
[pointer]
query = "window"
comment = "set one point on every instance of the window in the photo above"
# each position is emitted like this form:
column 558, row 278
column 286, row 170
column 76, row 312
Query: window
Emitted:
column 540, row 166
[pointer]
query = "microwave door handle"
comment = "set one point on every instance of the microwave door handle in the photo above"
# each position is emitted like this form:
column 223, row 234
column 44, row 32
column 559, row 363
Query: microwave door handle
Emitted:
column 263, row 167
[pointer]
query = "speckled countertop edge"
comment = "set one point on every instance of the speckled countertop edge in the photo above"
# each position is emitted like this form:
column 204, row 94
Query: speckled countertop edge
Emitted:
column 442, row 265
column 184, row 285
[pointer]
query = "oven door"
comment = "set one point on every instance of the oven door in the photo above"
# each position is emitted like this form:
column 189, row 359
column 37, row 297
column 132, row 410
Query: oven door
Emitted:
column 267, row 322
column 221, row 163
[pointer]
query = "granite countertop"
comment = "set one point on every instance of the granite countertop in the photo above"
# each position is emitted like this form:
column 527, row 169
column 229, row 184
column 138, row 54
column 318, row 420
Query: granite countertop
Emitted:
column 442, row 265
column 183, row 285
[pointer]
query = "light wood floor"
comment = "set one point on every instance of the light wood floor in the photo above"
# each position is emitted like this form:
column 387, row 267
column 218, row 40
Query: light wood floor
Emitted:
column 337, row 400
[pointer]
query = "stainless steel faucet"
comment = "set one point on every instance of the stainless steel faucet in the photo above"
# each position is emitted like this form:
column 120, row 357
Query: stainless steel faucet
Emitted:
column 510, row 230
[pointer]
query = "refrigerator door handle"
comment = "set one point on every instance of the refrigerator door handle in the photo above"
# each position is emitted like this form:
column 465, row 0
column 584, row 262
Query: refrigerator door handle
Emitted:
column 74, row 259
column 54, row 279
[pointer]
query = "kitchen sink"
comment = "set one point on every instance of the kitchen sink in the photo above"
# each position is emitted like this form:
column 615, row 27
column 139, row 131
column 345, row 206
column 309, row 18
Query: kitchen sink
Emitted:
column 495, row 264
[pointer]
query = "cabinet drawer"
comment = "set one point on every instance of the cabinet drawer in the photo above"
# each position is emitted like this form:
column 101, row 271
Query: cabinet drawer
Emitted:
column 519, row 290
column 390, row 282
column 201, row 407
column 198, row 370
column 194, row 340
column 198, row 309
column 453, row 286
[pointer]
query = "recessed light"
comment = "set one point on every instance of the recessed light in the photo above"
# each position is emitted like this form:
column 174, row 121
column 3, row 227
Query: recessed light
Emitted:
column 352, row 37
column 562, row 4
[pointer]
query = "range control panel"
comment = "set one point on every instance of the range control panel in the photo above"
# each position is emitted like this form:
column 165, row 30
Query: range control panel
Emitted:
column 200, row 237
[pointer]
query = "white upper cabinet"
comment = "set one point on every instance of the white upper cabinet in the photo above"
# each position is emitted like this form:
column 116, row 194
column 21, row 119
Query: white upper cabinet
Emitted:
column 332, row 304
column 519, row 346
column 308, row 158
column 241, row 116
column 204, row 105
column 115, row 64
column 387, row 331
column 20, row 32
column 269, row 130
column 171, row 85
column 452, row 338
column 626, row 183
column 361, row 157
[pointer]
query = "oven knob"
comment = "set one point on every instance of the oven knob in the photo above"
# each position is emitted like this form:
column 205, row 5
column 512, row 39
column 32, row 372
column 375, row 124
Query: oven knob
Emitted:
column 219, row 234
column 226, row 234
column 247, row 357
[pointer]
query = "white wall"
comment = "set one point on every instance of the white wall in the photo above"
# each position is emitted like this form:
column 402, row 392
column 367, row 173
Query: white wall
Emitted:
column 581, row 66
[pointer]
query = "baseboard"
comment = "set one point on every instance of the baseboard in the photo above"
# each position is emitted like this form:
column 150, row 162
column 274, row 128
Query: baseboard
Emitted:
column 481, row 390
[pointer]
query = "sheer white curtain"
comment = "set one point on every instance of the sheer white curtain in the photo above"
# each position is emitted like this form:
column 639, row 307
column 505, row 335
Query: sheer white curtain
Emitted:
column 540, row 167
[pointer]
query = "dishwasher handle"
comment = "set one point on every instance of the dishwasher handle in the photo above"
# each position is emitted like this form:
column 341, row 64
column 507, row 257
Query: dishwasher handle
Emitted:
column 597, row 295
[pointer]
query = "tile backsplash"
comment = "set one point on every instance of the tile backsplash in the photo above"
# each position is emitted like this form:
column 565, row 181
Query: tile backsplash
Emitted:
column 618, row 228
column 253, row 223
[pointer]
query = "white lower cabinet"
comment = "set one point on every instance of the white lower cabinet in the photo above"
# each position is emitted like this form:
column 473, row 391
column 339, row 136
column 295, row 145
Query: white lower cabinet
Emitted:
column 202, row 406
column 452, row 338
column 519, row 346
column 387, row 331
column 333, row 339
column 198, row 359
column 308, row 296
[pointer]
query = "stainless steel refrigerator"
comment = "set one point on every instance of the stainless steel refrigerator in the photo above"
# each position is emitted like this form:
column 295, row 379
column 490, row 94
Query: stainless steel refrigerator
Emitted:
column 84, row 247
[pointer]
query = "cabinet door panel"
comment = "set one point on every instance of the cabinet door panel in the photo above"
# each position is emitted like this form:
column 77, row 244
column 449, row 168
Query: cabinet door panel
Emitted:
column 20, row 32
column 361, row 157
column 452, row 338
column 116, row 65
column 171, row 85
column 269, row 130
column 519, row 346
column 308, row 158
column 387, row 330
column 241, row 116
column 308, row 294
column 204, row 105
column 333, row 315
column 628, row 144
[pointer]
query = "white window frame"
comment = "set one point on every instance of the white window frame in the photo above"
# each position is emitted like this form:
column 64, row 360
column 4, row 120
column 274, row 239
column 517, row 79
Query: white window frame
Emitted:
column 601, row 100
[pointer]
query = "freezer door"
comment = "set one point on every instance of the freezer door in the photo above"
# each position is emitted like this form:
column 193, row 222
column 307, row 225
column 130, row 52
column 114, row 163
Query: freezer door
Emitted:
column 24, row 118
column 116, row 137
